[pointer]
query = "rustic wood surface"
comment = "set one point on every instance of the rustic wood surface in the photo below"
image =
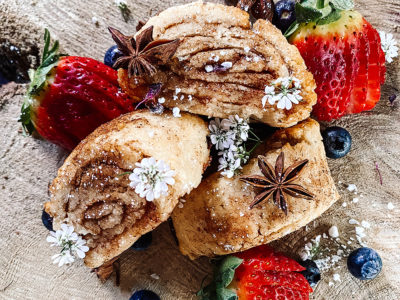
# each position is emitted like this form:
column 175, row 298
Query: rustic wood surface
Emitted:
column 28, row 165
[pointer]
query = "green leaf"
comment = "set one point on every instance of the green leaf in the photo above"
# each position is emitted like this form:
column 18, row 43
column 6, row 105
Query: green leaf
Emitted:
column 223, row 276
column 332, row 17
column 38, row 79
column 306, row 13
column 343, row 4
column 226, row 271
column 226, row 294
column 292, row 28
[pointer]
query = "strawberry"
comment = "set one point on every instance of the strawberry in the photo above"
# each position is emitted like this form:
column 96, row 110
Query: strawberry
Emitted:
column 343, row 52
column 70, row 96
column 258, row 273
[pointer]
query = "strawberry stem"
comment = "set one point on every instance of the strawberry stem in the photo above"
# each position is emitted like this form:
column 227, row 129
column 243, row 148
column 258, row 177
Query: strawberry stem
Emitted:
column 320, row 4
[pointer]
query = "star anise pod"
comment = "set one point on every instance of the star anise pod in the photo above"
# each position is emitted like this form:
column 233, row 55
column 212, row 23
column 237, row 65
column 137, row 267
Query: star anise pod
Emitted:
column 143, row 55
column 277, row 182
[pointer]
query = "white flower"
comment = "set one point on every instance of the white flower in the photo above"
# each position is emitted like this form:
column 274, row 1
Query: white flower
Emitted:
column 70, row 243
column 120, row 2
column 238, row 126
column 176, row 112
column 232, row 159
column 388, row 46
column 285, row 91
column 209, row 68
column 227, row 64
column 220, row 135
column 63, row 258
column 151, row 178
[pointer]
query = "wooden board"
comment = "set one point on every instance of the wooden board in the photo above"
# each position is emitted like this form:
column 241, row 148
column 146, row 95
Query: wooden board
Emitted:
column 28, row 165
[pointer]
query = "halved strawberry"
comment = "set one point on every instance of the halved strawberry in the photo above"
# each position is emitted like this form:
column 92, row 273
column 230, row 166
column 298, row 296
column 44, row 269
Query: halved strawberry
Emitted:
column 70, row 96
column 343, row 52
column 258, row 273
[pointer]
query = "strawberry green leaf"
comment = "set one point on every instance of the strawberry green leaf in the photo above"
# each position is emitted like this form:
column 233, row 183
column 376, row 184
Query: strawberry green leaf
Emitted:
column 343, row 4
column 38, row 79
column 332, row 17
column 223, row 276
column 226, row 271
column 226, row 294
column 292, row 28
column 306, row 14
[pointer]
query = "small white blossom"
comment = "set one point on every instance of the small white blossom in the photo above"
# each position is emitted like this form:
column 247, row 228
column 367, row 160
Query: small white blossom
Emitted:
column 209, row 68
column 388, row 44
column 70, row 243
column 228, row 135
column 285, row 91
column 176, row 112
column 227, row 64
column 238, row 126
column 120, row 2
column 220, row 135
column 150, row 178
column 232, row 160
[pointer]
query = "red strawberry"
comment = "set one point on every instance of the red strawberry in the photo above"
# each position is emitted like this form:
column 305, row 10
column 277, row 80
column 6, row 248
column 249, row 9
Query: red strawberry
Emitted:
column 70, row 96
column 258, row 273
column 344, row 53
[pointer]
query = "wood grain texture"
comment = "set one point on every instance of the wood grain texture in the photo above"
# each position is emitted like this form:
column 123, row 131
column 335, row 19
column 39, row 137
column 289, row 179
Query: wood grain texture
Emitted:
column 28, row 165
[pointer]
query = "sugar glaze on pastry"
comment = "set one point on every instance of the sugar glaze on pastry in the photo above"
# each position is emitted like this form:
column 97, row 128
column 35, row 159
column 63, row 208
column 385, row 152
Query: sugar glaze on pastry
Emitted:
column 216, row 218
column 224, row 63
column 90, row 193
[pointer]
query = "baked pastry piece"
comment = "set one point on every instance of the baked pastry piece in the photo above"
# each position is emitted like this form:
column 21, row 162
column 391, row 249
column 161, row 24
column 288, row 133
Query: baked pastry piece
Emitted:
column 216, row 218
column 92, row 193
column 223, row 64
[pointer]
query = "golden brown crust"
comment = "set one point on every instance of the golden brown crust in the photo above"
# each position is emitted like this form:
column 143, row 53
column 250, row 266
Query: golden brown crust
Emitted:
column 212, row 34
column 90, row 194
column 216, row 218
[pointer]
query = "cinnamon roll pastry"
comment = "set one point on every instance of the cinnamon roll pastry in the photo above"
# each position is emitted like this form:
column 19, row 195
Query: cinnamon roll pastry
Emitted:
column 95, row 193
column 217, row 217
column 224, row 63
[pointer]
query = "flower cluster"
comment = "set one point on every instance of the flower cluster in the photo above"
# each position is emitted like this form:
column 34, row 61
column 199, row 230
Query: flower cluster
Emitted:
column 389, row 46
column 228, row 136
column 285, row 91
column 70, row 243
column 150, row 178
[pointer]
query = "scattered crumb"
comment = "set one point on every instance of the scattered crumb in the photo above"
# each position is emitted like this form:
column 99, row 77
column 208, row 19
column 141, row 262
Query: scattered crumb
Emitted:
column 365, row 224
column 360, row 232
column 353, row 222
column 247, row 49
column 95, row 21
column 227, row 64
column 155, row 276
column 336, row 277
column 176, row 112
column 390, row 205
column 161, row 100
column 355, row 200
column 352, row 188
column 331, row 283
column 209, row 68
column 333, row 232
column 344, row 204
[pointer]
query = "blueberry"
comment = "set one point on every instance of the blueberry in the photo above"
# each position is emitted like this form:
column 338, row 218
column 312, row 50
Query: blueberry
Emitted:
column 364, row 263
column 337, row 141
column 143, row 242
column 112, row 54
column 47, row 220
column 284, row 14
column 144, row 295
column 312, row 273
